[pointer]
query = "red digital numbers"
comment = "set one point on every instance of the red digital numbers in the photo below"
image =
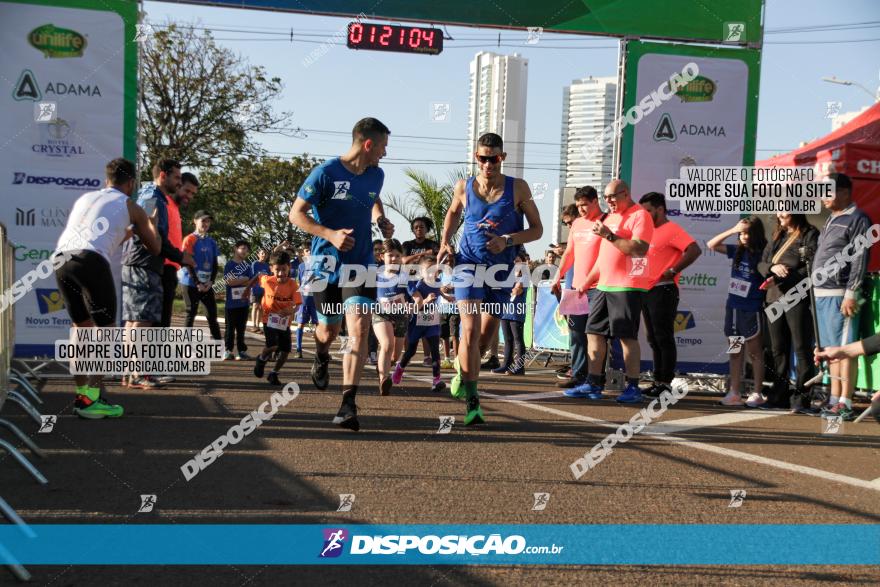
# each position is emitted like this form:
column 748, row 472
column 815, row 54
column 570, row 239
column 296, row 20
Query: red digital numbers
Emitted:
column 405, row 39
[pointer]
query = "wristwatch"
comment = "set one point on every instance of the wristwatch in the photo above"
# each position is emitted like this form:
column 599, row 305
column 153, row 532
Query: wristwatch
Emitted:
column 611, row 237
column 508, row 240
column 672, row 270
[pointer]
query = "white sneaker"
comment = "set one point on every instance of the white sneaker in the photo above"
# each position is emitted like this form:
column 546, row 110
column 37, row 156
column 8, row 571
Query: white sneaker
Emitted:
column 732, row 398
column 756, row 400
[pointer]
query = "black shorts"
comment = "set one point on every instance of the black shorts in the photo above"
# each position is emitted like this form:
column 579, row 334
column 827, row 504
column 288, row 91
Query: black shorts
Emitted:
column 332, row 299
column 616, row 313
column 277, row 338
column 87, row 288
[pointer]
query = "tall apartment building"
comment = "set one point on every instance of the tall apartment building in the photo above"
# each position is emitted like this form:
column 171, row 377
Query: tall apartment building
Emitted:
column 497, row 103
column 587, row 108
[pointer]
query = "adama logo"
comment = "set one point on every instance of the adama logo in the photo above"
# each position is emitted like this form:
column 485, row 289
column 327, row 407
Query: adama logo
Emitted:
column 56, row 42
column 334, row 539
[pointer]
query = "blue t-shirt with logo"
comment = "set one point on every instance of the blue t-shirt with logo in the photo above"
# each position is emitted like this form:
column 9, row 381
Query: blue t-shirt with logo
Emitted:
column 204, row 253
column 236, row 270
column 341, row 199
column 743, row 292
column 257, row 268
column 421, row 330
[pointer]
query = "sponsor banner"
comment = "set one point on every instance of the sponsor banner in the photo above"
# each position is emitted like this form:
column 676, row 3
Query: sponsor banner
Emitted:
column 709, row 122
column 69, row 107
column 550, row 327
column 507, row 544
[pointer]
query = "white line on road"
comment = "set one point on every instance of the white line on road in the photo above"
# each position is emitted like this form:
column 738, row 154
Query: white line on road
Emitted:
column 855, row 482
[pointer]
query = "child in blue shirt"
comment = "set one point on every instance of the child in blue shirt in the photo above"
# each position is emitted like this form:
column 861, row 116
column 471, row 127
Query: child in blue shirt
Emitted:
column 198, row 281
column 237, row 273
column 258, row 267
column 425, row 322
column 742, row 320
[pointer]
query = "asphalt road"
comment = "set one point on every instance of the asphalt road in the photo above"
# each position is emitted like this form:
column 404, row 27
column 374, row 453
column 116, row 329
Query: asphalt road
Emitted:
column 293, row 468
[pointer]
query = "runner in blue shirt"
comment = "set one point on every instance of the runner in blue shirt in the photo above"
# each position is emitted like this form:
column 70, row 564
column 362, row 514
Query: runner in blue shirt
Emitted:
column 307, row 314
column 493, row 206
column 237, row 274
column 198, row 281
column 342, row 195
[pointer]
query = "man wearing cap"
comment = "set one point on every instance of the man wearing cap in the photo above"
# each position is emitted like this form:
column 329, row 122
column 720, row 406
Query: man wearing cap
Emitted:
column 198, row 281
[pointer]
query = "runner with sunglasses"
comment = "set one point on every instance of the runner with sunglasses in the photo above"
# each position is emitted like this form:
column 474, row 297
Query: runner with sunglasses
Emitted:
column 493, row 205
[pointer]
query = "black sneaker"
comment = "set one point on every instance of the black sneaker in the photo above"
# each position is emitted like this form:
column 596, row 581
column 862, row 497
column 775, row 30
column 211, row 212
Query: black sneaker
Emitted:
column 299, row 354
column 321, row 372
column 260, row 367
column 273, row 378
column 569, row 383
column 346, row 417
column 656, row 390
column 492, row 363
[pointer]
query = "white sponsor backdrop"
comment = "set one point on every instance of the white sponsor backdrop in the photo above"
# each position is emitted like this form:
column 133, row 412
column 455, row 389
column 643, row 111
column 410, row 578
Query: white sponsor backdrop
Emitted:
column 37, row 158
column 706, row 133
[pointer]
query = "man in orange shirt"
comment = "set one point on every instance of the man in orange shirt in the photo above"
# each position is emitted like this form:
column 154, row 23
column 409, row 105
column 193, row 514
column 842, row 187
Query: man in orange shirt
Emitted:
column 189, row 187
column 621, row 272
column 580, row 253
column 671, row 251
column 281, row 297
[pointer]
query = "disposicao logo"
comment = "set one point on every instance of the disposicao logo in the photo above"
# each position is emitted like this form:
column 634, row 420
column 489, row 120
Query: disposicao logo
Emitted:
column 56, row 42
column 334, row 538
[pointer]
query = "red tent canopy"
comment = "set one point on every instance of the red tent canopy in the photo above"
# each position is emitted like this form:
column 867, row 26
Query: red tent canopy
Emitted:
column 853, row 149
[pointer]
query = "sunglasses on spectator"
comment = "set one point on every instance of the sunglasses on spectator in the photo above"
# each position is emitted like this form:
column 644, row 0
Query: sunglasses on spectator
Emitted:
column 568, row 223
column 494, row 159
column 613, row 196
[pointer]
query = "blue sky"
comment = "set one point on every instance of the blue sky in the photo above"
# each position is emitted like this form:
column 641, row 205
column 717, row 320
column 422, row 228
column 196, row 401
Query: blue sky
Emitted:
column 343, row 85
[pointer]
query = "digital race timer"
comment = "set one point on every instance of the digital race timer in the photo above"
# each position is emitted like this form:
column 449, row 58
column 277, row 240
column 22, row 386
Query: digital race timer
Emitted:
column 387, row 37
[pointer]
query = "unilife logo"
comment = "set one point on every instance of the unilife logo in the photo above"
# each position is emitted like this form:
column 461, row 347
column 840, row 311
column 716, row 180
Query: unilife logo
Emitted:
column 334, row 538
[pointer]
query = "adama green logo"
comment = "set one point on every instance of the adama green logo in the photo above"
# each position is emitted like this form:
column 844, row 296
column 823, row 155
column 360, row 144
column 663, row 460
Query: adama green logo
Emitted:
column 699, row 89
column 57, row 42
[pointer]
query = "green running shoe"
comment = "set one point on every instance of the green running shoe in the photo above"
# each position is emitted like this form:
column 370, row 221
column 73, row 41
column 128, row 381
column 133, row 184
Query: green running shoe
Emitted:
column 97, row 409
column 474, row 412
column 455, row 388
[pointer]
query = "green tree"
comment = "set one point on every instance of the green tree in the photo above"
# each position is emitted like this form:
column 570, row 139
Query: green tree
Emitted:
column 426, row 197
column 201, row 103
column 251, row 198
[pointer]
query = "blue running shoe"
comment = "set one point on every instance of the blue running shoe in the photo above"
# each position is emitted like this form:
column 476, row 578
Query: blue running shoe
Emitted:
column 579, row 391
column 631, row 395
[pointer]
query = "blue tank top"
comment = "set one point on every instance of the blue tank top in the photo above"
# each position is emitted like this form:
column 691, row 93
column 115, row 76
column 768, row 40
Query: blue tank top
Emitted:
column 482, row 218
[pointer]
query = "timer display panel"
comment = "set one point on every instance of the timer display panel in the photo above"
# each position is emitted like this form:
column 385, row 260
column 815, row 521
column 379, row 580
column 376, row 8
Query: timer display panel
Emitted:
column 389, row 37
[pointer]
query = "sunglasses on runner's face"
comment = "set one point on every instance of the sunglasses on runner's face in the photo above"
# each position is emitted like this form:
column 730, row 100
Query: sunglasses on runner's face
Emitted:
column 494, row 159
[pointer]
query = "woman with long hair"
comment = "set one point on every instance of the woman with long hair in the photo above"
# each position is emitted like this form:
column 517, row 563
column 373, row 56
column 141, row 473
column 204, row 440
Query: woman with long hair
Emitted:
column 784, row 265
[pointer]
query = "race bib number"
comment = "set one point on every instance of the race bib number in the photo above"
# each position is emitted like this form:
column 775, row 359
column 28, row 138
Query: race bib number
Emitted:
column 739, row 287
column 204, row 276
column 386, row 303
column 278, row 322
column 237, row 293
column 431, row 318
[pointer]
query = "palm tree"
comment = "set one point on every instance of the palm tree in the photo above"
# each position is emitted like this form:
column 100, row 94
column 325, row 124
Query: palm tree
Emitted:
column 427, row 197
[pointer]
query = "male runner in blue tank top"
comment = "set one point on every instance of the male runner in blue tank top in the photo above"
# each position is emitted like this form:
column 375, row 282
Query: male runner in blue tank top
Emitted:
column 342, row 195
column 493, row 205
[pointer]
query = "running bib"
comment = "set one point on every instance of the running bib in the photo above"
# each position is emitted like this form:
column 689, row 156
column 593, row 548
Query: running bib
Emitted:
column 278, row 322
column 739, row 287
column 385, row 303
column 431, row 318
column 204, row 276
column 237, row 293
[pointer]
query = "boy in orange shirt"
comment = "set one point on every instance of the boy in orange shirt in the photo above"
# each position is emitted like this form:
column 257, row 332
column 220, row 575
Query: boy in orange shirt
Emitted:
column 281, row 298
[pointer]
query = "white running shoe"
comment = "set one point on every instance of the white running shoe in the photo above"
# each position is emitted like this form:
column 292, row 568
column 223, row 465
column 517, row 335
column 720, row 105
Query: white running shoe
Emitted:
column 732, row 398
column 756, row 400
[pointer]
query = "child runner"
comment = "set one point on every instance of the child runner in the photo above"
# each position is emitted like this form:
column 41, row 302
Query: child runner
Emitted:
column 260, row 266
column 198, row 282
column 425, row 323
column 307, row 313
column 391, row 321
column 237, row 273
column 744, row 302
column 280, row 298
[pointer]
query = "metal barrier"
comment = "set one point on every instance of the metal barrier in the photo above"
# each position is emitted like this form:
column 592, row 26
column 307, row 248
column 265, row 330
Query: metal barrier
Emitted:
column 8, row 377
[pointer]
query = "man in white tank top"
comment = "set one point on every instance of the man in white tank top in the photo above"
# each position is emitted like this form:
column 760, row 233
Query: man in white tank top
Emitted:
column 96, row 228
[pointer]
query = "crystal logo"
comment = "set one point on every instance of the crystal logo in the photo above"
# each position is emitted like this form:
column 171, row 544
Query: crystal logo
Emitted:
column 334, row 538
column 55, row 142
column 55, row 42
column 699, row 89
